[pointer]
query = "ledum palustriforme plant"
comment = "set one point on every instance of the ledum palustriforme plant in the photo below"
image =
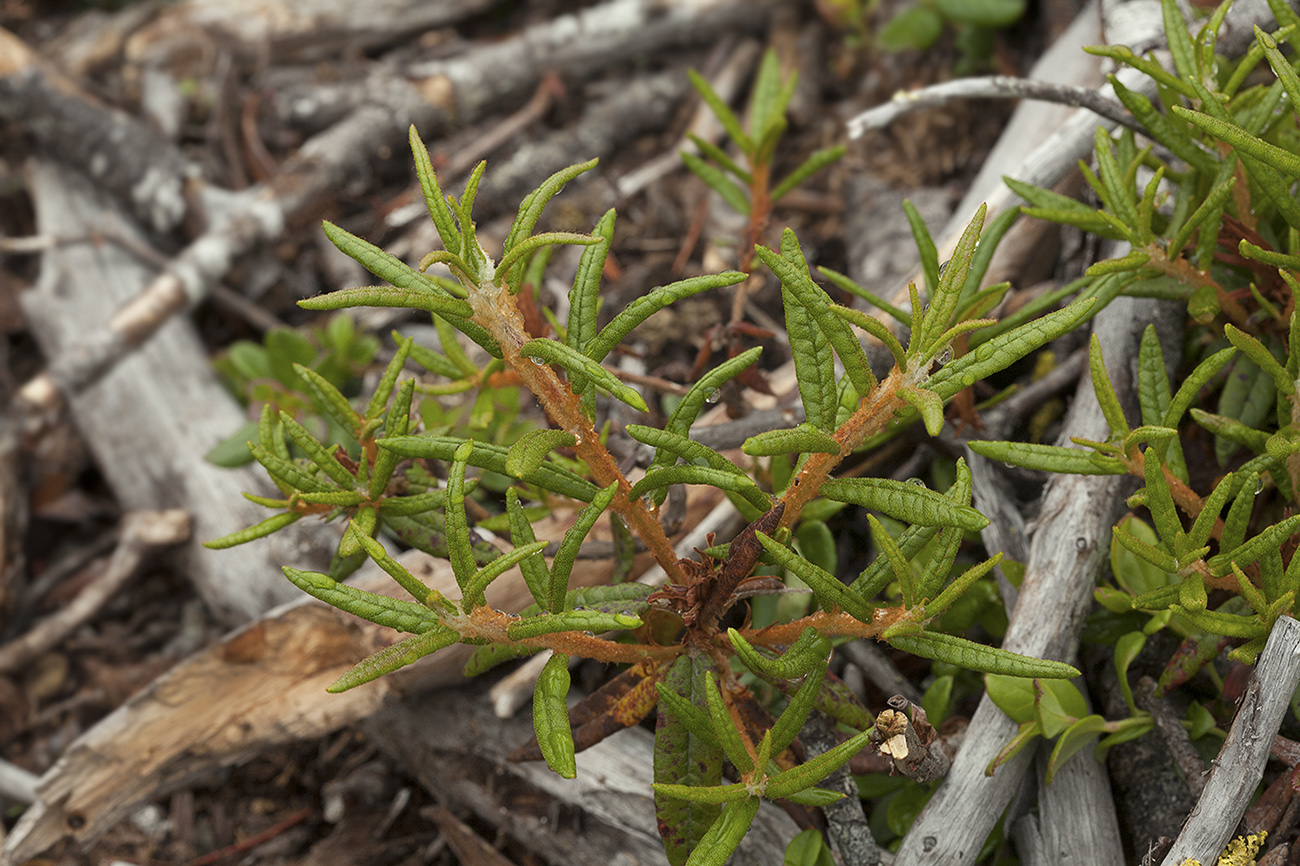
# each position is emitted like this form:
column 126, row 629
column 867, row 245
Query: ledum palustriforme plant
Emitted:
column 680, row 655
column 1209, row 214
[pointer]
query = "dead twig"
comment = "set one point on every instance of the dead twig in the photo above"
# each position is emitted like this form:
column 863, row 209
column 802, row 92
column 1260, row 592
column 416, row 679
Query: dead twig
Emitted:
column 907, row 102
column 142, row 534
column 1240, row 763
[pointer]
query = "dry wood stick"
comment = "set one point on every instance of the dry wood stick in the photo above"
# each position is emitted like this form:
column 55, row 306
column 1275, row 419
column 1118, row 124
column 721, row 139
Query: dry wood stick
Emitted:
column 1240, row 764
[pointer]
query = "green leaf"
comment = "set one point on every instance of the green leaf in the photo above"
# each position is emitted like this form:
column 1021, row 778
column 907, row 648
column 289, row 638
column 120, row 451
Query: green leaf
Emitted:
column 795, row 714
column 1270, row 539
column 826, row 586
column 407, row 581
column 1263, row 358
column 579, row 365
column 804, row 655
column 810, row 166
column 399, row 655
column 1105, row 391
column 317, row 453
column 433, row 198
column 528, row 454
column 915, row 27
column 584, row 299
column 382, row 610
column 724, row 835
column 808, row 849
column 722, row 112
column 485, row 658
column 647, row 305
column 1049, row 458
column 977, row 657
column 1144, row 551
column 385, row 296
column 1000, row 352
column 735, row 197
column 877, row 329
column 1059, row 704
column 982, row 13
column 688, row 408
column 551, row 716
column 814, row 364
column 493, row 458
column 385, row 266
column 812, row 771
column 925, row 247
column 791, row 268
column 530, row 211
column 724, row 728
column 475, row 586
column 514, row 263
column 1074, row 738
column 1247, row 399
column 897, row 562
column 948, row 294
column 711, row 151
column 658, row 477
column 1275, row 157
column 804, row 439
column 928, row 404
column 232, row 452
column 562, row 564
column 570, row 620
column 916, row 504
column 683, row 757
column 1014, row 696
column 287, row 471
column 272, row 524
column 901, row 316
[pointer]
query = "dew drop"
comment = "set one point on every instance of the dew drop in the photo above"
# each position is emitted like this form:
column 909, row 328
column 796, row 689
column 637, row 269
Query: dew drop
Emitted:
column 538, row 361
column 1259, row 485
column 944, row 357
column 714, row 397
column 915, row 482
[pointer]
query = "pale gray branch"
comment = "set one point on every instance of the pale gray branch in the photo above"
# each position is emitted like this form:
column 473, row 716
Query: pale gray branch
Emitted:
column 992, row 87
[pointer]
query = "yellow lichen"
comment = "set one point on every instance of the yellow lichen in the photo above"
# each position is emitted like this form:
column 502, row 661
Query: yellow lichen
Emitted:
column 1240, row 851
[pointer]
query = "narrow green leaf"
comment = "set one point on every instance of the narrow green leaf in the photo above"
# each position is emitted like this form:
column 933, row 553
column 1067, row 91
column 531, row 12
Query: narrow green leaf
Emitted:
column 1156, row 556
column 527, row 454
column 711, row 151
column 1158, row 498
column 1198, row 379
column 384, row 390
column 647, row 305
column 900, row 315
column 977, row 657
column 1049, row 458
column 382, row 610
column 274, row 523
column 792, row 718
column 913, row 503
column 927, row 404
column 688, row 408
column 724, row 728
column 322, row 458
column 735, row 197
column 963, row 582
column 805, row 654
column 1270, row 539
column 657, row 477
column 492, row 457
column 459, row 548
column 685, row 758
column 813, row 771
column 1000, row 352
column 400, row 654
column 814, row 364
column 1105, row 391
column 722, row 112
column 385, row 296
column 485, row 658
column 433, row 199
column 329, row 398
column 584, row 298
column 1263, row 358
column 826, row 586
column 948, row 295
column 877, row 329
column 562, row 564
column 570, row 620
column 383, row 265
column 804, row 439
column 898, row 563
column 474, row 587
column 791, row 268
column 290, row 473
column 514, row 263
column 530, row 211
column 925, row 247
column 577, row 364
column 1275, row 157
column 687, row 449
column 551, row 716
column 407, row 581
column 810, row 166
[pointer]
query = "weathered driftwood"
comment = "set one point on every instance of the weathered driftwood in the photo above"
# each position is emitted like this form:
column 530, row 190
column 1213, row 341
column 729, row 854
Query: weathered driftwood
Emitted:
column 1240, row 764
column 1068, row 546
column 457, row 748
column 150, row 422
